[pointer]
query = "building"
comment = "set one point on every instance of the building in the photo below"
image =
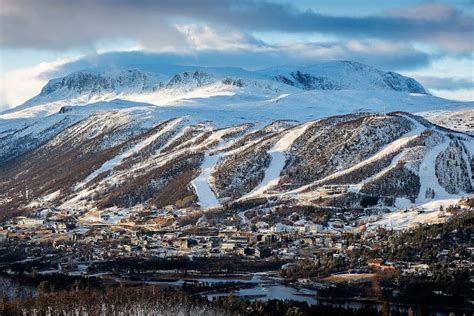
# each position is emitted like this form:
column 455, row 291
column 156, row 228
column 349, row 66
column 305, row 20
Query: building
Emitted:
column 262, row 252
column 28, row 222
column 186, row 243
column 333, row 189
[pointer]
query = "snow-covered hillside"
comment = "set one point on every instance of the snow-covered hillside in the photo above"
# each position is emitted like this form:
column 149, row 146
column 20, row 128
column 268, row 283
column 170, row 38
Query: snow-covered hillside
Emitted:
column 322, row 89
column 461, row 120
column 134, row 158
column 344, row 75
column 199, row 139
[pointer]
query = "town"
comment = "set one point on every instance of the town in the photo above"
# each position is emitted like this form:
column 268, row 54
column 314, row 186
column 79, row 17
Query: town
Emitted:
column 67, row 242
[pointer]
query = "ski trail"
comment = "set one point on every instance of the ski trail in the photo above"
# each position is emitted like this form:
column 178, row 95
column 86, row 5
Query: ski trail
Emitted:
column 427, row 173
column 388, row 149
column 117, row 160
column 382, row 172
column 278, row 160
column 206, row 196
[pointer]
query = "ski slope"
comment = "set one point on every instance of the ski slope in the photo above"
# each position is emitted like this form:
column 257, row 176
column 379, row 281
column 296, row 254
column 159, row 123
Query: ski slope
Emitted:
column 117, row 160
column 206, row 197
column 278, row 160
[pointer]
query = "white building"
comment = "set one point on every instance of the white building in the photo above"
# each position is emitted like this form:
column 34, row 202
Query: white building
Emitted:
column 28, row 222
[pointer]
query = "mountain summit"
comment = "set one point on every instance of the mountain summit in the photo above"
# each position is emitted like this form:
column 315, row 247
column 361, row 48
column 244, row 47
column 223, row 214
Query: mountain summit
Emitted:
column 339, row 75
column 178, row 84
column 345, row 75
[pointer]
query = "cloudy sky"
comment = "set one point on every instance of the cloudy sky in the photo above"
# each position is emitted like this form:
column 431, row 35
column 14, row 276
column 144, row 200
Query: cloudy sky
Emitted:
column 429, row 40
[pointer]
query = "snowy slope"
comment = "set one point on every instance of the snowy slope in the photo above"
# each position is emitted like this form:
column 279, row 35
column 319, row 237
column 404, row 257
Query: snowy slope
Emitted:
column 117, row 160
column 461, row 120
column 208, row 138
column 206, row 196
column 278, row 160
column 352, row 87
column 135, row 158
column 343, row 75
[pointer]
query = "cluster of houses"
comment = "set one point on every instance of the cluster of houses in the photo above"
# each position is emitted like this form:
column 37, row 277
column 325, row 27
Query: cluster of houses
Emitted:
column 70, row 245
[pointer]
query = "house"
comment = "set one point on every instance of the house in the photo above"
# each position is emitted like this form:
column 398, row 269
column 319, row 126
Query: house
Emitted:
column 269, row 238
column 247, row 251
column 282, row 228
column 379, row 264
column 262, row 252
column 186, row 243
column 229, row 246
column 337, row 223
column 59, row 227
column 308, row 240
column 375, row 263
column 313, row 228
column 334, row 189
column 28, row 222
column 262, row 225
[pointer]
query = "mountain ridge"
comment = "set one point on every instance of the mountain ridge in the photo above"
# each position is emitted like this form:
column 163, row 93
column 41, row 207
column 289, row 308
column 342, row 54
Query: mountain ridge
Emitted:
column 128, row 165
column 85, row 86
column 205, row 143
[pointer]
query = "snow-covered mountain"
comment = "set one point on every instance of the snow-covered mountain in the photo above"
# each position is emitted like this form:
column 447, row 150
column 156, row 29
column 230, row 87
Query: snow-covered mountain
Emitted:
column 178, row 85
column 344, row 75
column 226, row 139
column 130, row 159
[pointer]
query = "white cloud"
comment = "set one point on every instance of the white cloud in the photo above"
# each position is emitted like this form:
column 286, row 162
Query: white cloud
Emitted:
column 19, row 85
column 460, row 95
column 205, row 37
column 388, row 55
column 207, row 46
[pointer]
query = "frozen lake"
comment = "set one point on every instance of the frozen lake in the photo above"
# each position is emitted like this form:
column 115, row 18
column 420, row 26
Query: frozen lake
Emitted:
column 265, row 288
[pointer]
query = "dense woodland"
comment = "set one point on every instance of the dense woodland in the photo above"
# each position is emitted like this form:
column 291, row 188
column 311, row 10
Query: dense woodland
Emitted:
column 424, row 243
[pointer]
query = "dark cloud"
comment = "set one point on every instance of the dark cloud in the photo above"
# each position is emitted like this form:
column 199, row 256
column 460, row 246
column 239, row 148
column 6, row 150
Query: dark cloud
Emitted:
column 446, row 83
column 62, row 23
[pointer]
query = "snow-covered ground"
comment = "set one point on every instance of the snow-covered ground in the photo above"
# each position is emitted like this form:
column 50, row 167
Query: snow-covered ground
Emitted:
column 278, row 159
column 117, row 160
column 461, row 120
column 206, row 196
column 230, row 96
column 427, row 174
column 426, row 213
